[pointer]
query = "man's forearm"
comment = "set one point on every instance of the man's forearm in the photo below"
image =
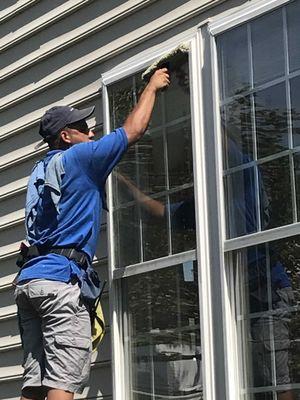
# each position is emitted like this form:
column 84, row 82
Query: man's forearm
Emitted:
column 138, row 120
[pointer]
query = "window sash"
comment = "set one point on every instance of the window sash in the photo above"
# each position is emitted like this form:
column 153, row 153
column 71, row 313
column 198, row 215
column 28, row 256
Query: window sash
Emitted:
column 243, row 14
column 216, row 26
column 204, row 266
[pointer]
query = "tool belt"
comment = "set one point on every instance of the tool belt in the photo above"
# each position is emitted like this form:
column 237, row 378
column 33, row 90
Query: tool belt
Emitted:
column 29, row 252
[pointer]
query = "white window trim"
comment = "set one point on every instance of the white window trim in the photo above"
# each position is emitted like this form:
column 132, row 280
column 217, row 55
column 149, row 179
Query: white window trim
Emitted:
column 244, row 13
column 201, row 215
column 118, row 366
column 144, row 59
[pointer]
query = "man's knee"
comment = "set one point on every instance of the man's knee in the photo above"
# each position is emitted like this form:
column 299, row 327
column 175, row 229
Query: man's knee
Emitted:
column 34, row 393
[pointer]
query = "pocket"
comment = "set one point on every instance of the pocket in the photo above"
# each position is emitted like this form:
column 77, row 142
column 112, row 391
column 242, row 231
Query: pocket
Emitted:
column 39, row 289
column 71, row 354
column 78, row 342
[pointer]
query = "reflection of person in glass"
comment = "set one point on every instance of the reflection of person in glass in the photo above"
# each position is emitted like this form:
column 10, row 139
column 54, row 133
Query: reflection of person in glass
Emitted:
column 270, row 331
column 270, row 298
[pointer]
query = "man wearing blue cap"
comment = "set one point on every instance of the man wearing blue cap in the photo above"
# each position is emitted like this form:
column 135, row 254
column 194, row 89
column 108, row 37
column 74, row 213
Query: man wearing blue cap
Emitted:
column 65, row 197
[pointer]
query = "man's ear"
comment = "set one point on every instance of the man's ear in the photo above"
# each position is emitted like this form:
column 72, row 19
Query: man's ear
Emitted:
column 65, row 136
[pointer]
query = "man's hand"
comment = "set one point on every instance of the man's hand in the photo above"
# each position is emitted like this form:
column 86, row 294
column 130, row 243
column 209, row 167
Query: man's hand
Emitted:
column 138, row 120
column 160, row 79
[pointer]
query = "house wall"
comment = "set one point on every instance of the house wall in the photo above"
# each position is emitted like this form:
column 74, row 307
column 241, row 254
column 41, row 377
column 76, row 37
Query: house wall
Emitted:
column 54, row 52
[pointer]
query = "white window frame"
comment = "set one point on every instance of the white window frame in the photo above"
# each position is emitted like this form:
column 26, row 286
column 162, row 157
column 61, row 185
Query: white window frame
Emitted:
column 201, row 253
column 216, row 26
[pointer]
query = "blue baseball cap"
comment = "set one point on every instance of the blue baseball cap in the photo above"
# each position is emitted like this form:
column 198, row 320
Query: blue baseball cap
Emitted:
column 58, row 117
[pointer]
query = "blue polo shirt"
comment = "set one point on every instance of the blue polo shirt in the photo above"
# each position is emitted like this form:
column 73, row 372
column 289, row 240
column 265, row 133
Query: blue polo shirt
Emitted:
column 75, row 220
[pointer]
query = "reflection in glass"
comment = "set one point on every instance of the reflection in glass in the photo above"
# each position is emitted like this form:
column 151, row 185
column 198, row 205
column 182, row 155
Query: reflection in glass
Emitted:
column 295, row 106
column 155, row 234
column 157, row 114
column 127, row 236
column 237, row 133
column 266, row 296
column 151, row 163
column 267, row 47
column 180, row 157
column 297, row 181
column 271, row 120
column 127, row 168
column 164, row 333
column 234, row 62
column 241, row 198
column 277, row 184
column 177, row 100
column 121, row 101
column 293, row 12
column 182, row 215
column 159, row 164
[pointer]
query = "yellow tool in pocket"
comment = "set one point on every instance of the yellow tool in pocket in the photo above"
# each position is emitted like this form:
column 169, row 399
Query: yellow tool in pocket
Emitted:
column 98, row 326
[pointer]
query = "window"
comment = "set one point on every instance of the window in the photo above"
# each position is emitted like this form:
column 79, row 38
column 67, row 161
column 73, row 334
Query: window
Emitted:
column 267, row 295
column 154, row 240
column 164, row 333
column 259, row 111
column 153, row 184
column 259, row 70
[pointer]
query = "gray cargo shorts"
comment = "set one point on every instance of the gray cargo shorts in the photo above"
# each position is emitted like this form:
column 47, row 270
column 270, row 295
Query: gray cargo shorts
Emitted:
column 56, row 335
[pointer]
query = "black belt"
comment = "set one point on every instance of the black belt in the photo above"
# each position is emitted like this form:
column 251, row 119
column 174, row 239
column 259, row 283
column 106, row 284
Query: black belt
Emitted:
column 78, row 256
column 27, row 253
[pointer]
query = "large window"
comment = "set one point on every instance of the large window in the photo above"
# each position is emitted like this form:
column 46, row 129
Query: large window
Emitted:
column 154, row 236
column 259, row 80
column 153, row 184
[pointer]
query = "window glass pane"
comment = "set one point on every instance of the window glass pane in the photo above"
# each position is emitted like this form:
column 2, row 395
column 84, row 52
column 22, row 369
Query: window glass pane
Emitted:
column 163, row 336
column 267, row 47
column 234, row 62
column 182, row 215
column 121, row 101
column 180, row 157
column 151, row 162
column 267, row 294
column 271, row 120
column 295, row 105
column 297, row 181
column 241, row 202
column 155, row 233
column 277, row 186
column 237, row 133
column 256, row 126
column 156, row 166
column 293, row 12
column 177, row 100
column 127, row 235
column 125, row 171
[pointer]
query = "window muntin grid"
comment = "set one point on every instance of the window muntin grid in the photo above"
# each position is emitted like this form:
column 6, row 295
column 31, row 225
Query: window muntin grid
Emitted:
column 259, row 104
column 267, row 298
column 162, row 338
column 160, row 167
column 260, row 116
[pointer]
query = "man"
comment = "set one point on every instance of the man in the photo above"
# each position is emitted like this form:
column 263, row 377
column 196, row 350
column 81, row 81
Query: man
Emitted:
column 64, row 201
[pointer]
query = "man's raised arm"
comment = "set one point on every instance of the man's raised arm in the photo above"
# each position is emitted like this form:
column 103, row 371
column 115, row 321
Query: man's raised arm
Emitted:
column 138, row 120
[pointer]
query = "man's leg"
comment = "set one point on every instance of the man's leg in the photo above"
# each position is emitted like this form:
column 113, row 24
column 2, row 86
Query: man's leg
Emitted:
column 32, row 344
column 58, row 394
column 32, row 393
